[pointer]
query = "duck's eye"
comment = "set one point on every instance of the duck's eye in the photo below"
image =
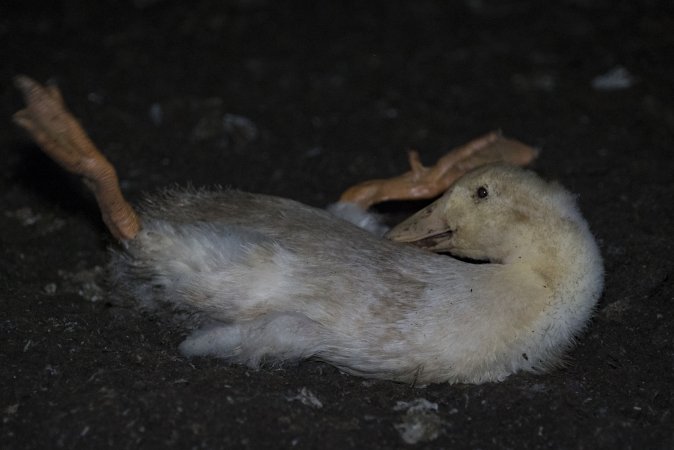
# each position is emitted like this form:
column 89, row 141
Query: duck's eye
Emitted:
column 482, row 192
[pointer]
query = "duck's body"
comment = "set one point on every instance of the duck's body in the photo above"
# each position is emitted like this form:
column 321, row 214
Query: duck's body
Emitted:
column 274, row 280
column 284, row 281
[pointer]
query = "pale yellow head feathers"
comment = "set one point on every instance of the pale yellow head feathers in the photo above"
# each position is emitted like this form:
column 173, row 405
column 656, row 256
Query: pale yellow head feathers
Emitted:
column 489, row 213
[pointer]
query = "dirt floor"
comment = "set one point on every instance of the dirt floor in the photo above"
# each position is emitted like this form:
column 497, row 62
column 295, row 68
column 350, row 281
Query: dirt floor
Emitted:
column 302, row 99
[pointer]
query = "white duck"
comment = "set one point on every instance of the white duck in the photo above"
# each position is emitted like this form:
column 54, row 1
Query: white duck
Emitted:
column 275, row 280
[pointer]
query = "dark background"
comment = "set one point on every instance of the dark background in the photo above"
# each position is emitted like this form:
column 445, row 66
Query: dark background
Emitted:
column 302, row 99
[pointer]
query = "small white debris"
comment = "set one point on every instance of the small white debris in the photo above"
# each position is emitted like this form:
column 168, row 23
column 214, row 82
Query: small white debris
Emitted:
column 545, row 82
column 24, row 215
column 420, row 422
column 418, row 405
column 615, row 79
column 233, row 128
column 50, row 288
column 239, row 125
column 538, row 387
column 617, row 310
column 95, row 97
column 306, row 397
column 156, row 114
column 313, row 152
column 84, row 282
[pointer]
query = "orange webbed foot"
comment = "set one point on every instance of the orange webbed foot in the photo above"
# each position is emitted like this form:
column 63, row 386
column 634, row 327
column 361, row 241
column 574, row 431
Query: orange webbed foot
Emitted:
column 60, row 136
column 422, row 183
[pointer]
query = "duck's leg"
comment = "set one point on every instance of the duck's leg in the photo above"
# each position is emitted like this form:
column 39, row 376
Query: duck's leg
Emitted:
column 276, row 337
column 61, row 137
column 222, row 340
column 422, row 182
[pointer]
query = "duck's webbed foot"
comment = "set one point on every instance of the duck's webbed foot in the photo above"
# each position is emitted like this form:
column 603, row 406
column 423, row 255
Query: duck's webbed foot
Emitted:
column 421, row 183
column 61, row 137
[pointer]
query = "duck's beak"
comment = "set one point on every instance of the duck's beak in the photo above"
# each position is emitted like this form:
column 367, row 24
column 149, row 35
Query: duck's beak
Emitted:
column 427, row 228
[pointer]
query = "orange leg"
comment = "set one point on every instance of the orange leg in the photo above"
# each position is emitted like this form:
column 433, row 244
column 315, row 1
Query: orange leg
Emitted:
column 427, row 182
column 61, row 137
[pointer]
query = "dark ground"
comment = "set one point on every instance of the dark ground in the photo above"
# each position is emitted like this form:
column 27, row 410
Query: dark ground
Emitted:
column 334, row 94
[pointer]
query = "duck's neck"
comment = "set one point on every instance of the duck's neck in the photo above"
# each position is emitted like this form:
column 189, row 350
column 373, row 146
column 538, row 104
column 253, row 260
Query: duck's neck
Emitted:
column 566, row 258
column 533, row 301
column 564, row 266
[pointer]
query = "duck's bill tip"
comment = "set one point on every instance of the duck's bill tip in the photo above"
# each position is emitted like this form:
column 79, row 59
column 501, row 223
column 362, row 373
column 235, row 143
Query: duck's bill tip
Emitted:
column 437, row 243
column 427, row 229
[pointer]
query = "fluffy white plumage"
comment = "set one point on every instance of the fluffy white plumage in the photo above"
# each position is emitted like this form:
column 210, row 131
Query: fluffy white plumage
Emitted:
column 275, row 280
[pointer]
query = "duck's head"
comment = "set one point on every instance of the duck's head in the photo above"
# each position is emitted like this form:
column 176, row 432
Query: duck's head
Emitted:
column 490, row 214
